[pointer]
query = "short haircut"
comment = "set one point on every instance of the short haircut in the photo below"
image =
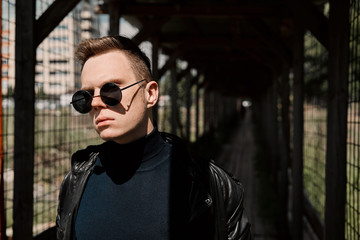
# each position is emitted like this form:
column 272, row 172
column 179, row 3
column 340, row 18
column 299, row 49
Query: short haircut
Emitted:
column 140, row 63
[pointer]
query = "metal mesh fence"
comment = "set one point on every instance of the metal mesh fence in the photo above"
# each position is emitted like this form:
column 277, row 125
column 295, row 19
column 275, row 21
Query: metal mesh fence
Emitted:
column 196, row 115
column 315, row 69
column 352, row 221
column 59, row 130
column 7, row 91
column 164, row 105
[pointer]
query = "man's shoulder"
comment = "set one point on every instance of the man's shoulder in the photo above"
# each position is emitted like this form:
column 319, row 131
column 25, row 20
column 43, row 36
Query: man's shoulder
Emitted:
column 171, row 138
column 82, row 156
column 179, row 147
column 229, row 183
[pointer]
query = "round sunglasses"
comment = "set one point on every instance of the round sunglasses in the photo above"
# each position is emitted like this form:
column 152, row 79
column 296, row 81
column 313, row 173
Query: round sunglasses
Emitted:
column 110, row 94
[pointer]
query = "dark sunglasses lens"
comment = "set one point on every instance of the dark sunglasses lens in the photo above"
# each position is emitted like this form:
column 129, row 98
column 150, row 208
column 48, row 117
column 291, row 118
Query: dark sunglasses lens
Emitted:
column 110, row 94
column 81, row 101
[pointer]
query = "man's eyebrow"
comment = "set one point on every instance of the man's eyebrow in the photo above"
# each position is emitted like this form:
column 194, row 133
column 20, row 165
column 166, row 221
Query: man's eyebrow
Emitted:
column 117, row 80
column 86, row 88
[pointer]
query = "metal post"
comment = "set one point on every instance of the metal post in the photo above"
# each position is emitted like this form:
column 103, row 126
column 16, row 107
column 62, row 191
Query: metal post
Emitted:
column 339, row 28
column 197, row 110
column 2, row 202
column 218, row 107
column 155, row 69
column 273, row 139
column 24, row 119
column 173, row 100
column 212, row 110
column 214, row 103
column 114, row 18
column 285, row 158
column 188, row 106
column 297, row 165
column 206, row 111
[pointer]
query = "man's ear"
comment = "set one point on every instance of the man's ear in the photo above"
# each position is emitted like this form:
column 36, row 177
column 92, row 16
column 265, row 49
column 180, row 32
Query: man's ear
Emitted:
column 151, row 93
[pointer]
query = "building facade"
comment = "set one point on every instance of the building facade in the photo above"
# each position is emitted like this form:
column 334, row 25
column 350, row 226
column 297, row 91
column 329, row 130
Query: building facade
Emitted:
column 56, row 71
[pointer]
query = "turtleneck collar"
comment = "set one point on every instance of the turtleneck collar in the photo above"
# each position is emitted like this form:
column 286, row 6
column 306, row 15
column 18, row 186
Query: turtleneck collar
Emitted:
column 146, row 147
column 121, row 161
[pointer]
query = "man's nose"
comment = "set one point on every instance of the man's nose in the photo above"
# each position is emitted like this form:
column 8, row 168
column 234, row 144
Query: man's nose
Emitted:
column 97, row 102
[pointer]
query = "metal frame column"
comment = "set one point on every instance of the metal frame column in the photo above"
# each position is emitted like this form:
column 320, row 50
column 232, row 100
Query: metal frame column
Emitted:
column 188, row 105
column 297, row 164
column 2, row 198
column 285, row 152
column 339, row 28
column 24, row 119
column 174, row 95
column 197, row 110
column 206, row 110
column 114, row 18
column 155, row 69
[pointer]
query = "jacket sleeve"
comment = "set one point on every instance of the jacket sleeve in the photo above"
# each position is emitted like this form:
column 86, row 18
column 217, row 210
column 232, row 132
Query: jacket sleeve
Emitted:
column 62, row 215
column 231, row 193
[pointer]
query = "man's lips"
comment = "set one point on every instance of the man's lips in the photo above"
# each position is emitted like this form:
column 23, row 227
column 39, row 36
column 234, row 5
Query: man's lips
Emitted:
column 102, row 120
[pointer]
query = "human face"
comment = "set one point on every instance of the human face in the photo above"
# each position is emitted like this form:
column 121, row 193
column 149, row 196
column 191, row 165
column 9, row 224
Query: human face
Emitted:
column 131, row 118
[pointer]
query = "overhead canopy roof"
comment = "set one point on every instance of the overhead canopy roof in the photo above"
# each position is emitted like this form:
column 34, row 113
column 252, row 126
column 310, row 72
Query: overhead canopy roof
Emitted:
column 238, row 45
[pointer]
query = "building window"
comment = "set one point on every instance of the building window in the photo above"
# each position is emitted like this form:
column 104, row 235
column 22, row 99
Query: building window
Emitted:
column 59, row 72
column 59, row 61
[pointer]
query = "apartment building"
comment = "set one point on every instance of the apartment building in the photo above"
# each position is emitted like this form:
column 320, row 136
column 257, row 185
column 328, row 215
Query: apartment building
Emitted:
column 56, row 71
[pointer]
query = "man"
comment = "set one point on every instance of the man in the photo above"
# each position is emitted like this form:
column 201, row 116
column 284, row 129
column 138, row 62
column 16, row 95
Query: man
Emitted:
column 139, row 184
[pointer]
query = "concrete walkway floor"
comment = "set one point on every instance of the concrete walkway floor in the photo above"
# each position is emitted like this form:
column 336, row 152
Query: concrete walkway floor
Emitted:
column 237, row 158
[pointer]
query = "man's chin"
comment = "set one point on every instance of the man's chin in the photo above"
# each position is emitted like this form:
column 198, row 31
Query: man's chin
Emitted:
column 110, row 136
column 105, row 134
column 106, row 137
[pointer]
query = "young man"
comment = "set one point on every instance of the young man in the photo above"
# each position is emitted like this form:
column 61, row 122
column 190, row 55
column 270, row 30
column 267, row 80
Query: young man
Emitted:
column 139, row 184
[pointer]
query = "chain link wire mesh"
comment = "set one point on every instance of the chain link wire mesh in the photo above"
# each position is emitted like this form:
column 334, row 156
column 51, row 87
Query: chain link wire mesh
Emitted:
column 315, row 117
column 7, row 94
column 59, row 130
column 352, row 221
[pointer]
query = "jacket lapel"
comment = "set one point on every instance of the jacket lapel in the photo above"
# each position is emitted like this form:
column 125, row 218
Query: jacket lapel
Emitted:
column 190, row 201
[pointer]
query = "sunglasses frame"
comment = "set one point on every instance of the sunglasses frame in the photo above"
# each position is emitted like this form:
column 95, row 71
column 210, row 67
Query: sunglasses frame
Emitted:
column 85, row 109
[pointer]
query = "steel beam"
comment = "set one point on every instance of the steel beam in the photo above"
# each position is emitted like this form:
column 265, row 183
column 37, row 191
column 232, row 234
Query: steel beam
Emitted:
column 285, row 153
column 339, row 29
column 170, row 62
column 174, row 97
column 155, row 70
column 298, row 136
column 307, row 14
column 24, row 119
column 150, row 29
column 114, row 18
column 201, row 10
column 188, row 106
column 56, row 12
column 270, row 39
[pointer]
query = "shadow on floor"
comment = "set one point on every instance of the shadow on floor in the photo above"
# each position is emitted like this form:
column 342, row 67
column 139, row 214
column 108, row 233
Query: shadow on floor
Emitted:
column 237, row 157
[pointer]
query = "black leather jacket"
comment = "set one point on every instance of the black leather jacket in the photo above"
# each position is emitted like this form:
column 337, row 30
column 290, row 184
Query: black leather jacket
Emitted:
column 206, row 202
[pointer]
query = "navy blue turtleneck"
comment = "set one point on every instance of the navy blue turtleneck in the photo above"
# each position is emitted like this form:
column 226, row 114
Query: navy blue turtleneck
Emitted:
column 127, row 194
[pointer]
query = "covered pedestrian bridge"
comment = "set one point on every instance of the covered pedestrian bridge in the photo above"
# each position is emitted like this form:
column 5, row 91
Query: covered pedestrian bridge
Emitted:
column 268, row 89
